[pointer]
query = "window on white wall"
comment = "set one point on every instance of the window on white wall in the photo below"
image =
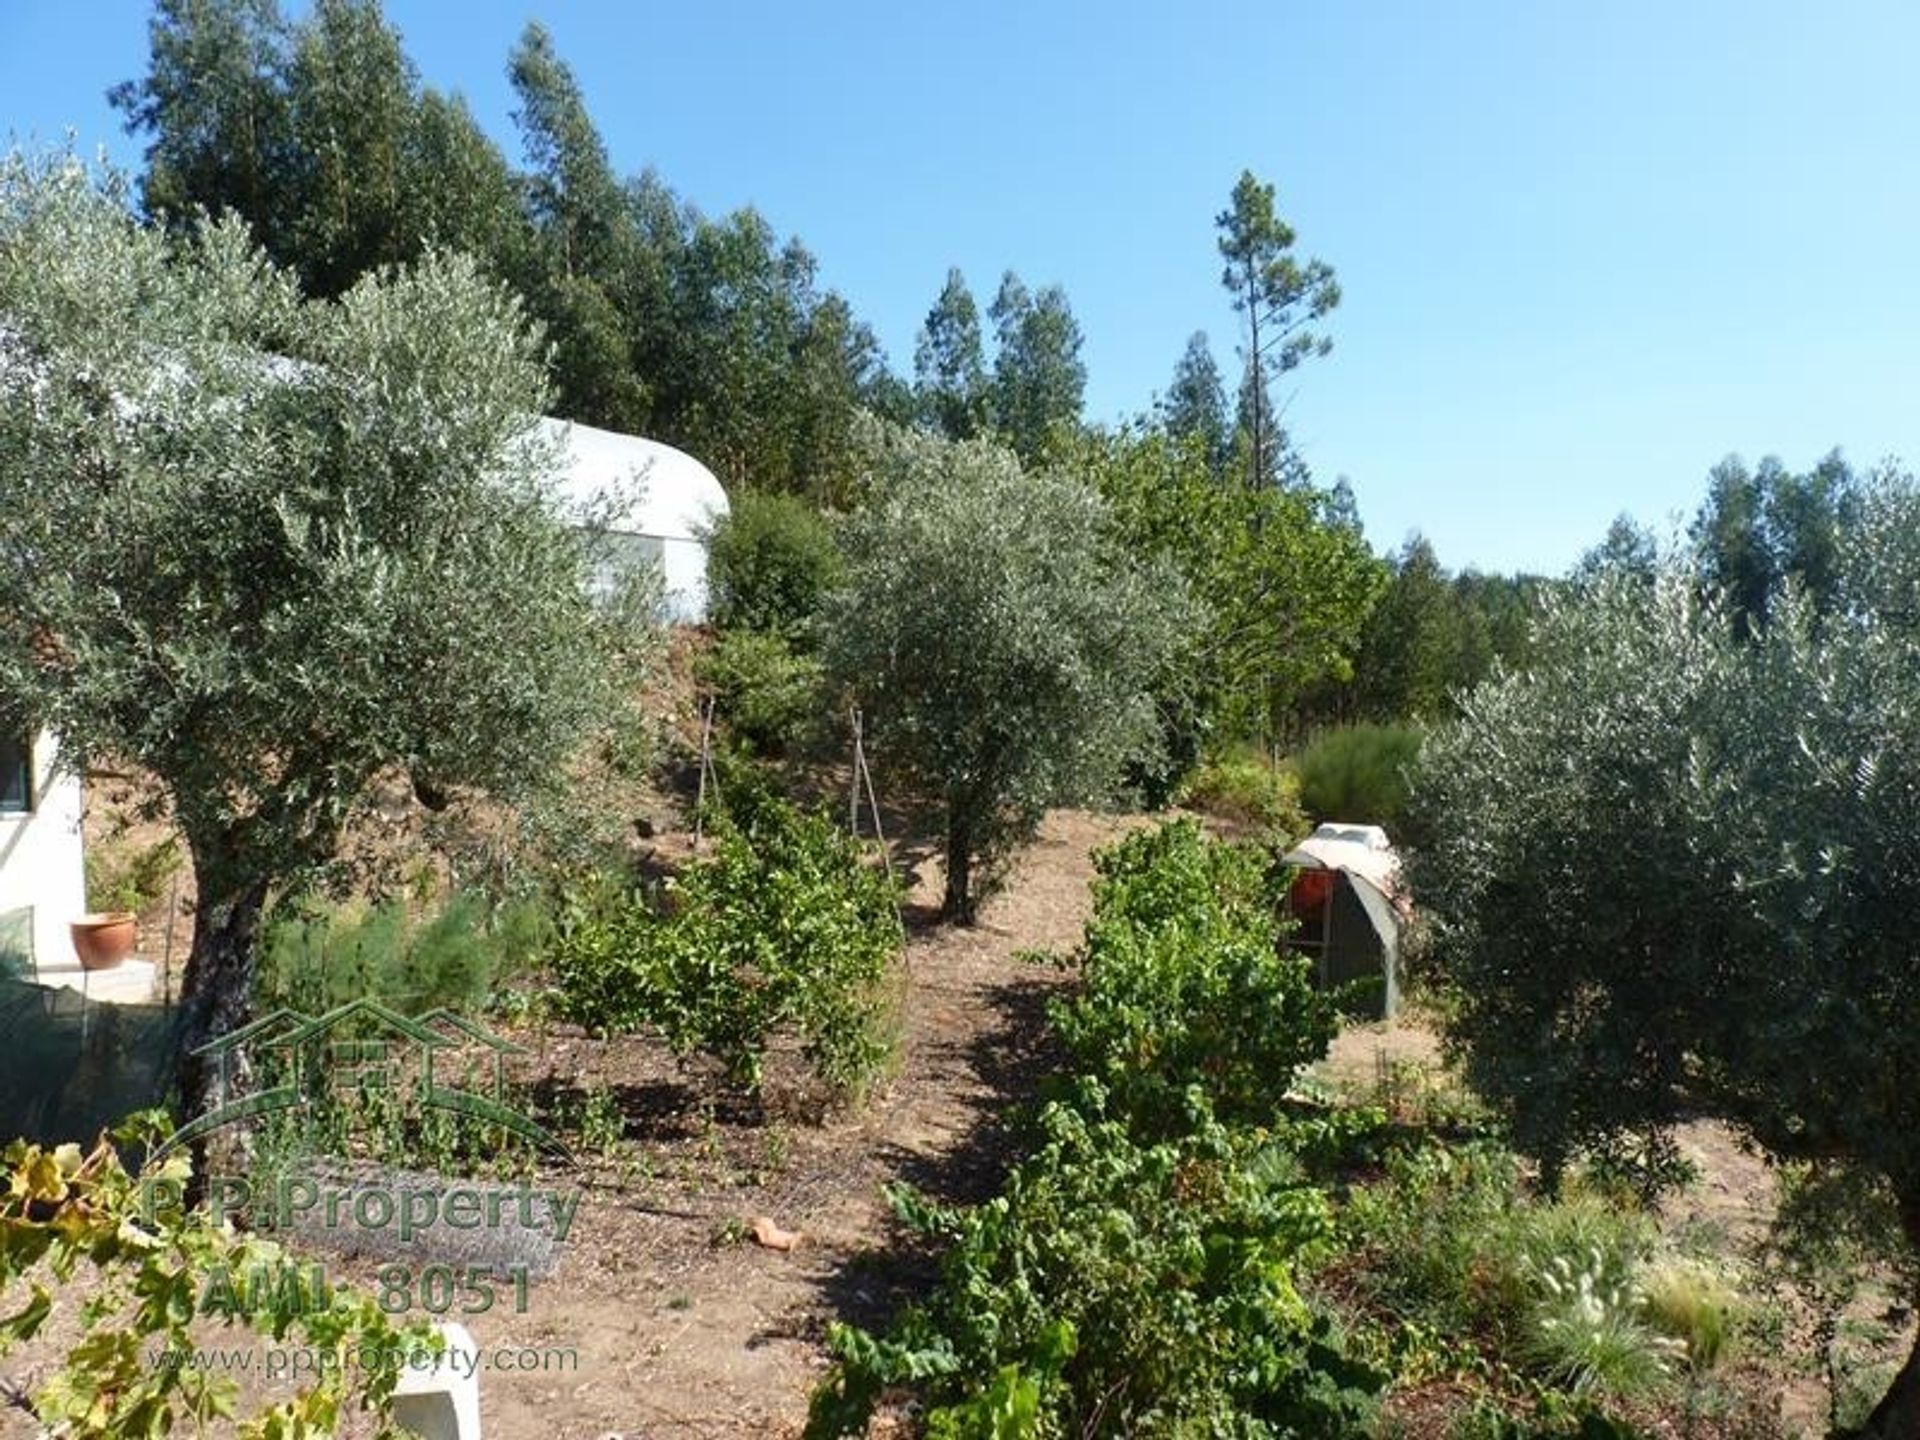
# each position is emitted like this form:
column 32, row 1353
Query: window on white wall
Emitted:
column 16, row 775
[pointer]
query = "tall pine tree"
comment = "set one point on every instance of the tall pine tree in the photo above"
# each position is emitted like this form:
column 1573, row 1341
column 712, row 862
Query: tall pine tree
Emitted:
column 1281, row 298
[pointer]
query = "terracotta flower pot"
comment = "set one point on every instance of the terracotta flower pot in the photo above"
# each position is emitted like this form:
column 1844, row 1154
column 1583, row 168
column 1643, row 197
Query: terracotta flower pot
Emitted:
column 103, row 941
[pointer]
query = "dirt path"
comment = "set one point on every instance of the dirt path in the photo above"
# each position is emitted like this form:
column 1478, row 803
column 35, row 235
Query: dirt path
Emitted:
column 685, row 1328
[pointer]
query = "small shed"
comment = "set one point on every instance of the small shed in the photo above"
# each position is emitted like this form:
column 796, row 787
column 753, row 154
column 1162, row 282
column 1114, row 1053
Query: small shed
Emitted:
column 1346, row 901
column 655, row 503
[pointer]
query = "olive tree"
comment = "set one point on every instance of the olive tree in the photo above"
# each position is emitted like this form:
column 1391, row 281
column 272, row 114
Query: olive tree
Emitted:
column 1670, row 872
column 266, row 578
column 1002, row 640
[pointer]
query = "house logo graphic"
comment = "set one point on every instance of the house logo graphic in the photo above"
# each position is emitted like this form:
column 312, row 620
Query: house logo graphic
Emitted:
column 364, row 1048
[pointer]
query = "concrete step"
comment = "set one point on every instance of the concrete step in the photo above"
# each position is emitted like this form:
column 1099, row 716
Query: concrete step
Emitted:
column 131, row 982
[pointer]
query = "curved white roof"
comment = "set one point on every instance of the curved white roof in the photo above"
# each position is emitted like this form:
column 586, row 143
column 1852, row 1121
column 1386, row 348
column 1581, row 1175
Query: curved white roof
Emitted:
column 651, row 489
column 1362, row 850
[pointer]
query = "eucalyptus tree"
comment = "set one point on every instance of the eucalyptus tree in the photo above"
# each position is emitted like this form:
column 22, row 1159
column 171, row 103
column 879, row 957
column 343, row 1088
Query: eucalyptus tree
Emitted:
column 1003, row 640
column 1039, row 380
column 1195, row 405
column 213, row 107
column 267, row 579
column 949, row 364
column 317, row 133
column 587, row 244
column 1759, row 530
column 1670, row 868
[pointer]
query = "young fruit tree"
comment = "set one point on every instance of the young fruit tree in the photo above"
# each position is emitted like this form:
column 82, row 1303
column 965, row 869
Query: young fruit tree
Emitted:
column 1004, row 644
column 1673, row 868
column 268, row 548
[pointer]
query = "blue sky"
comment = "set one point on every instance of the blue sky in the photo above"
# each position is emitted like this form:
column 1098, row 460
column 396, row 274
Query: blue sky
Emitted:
column 1587, row 250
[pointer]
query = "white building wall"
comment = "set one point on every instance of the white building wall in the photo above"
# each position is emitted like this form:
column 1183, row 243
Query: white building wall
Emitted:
column 683, row 565
column 40, row 859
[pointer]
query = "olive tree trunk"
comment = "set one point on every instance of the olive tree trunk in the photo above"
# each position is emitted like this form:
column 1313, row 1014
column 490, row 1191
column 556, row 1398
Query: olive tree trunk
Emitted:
column 958, row 905
column 216, row 994
column 1897, row 1416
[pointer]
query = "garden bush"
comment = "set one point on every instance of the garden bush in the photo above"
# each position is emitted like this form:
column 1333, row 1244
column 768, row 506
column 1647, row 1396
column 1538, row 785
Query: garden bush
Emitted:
column 115, row 1267
column 788, row 924
column 771, row 561
column 1454, row 1251
column 1115, row 1289
column 1185, row 984
column 1136, row 1274
column 318, row 955
column 1357, row 773
column 770, row 695
column 1244, row 788
column 133, row 878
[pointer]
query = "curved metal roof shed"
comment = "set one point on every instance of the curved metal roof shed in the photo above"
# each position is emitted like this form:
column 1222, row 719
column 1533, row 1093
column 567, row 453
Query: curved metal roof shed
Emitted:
column 1346, row 897
column 655, row 502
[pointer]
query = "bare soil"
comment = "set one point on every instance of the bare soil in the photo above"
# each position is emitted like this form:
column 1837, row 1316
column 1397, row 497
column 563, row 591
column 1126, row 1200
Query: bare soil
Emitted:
column 665, row 1317
column 683, row 1324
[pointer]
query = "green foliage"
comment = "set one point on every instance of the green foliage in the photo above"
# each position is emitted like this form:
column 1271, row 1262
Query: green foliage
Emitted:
column 949, row 366
column 1195, row 408
column 130, row 878
column 1358, row 773
column 1760, row 530
column 1695, row 1305
column 1116, row 1289
column 1186, row 987
column 1038, row 376
column 1242, row 787
column 1135, row 1276
column 319, row 136
column 1589, row 1333
column 1456, row 1253
column 461, row 956
column 123, row 1246
column 1283, row 584
column 1002, row 641
column 787, row 925
column 1282, row 300
column 1430, row 637
column 711, row 333
column 596, row 1121
column 1596, row 995
column 771, row 563
column 268, row 581
column 771, row 697
column 1601, row 990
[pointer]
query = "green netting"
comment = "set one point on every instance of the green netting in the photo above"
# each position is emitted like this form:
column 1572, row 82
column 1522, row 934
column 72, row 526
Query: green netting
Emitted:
column 71, row 1067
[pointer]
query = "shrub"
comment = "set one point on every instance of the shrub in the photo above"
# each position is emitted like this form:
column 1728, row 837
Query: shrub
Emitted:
column 150, row 1290
column 130, row 878
column 1114, row 1289
column 1453, row 1245
column 319, row 956
column 1587, row 1329
column 1357, row 773
column 1692, row 1303
column 769, row 694
column 787, row 925
column 1185, row 984
column 771, row 561
column 1247, row 790
column 1135, row 1275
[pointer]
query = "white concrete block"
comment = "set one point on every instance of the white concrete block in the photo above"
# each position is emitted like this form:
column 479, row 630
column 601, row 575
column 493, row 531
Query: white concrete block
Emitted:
column 441, row 1401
